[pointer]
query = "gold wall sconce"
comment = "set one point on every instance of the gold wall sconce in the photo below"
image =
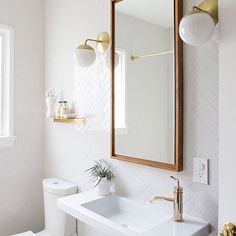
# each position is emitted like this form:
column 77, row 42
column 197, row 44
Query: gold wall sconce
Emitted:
column 85, row 55
column 198, row 25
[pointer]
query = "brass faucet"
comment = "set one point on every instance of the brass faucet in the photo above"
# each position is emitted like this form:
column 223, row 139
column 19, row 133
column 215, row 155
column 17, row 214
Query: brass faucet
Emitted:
column 228, row 229
column 177, row 201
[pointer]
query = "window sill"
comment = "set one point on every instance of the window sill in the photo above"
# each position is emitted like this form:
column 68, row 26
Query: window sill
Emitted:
column 7, row 141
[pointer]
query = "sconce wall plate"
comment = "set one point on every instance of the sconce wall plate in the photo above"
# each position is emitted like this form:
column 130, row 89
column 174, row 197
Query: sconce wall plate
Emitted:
column 103, row 42
column 208, row 6
column 211, row 7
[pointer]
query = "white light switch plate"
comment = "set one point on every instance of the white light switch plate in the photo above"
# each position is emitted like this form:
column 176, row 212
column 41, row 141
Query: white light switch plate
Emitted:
column 201, row 170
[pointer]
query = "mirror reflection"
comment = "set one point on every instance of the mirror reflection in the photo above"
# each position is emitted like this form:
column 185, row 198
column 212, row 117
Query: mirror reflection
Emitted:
column 144, row 80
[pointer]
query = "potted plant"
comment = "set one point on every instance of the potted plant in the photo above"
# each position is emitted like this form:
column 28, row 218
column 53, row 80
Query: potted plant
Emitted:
column 102, row 175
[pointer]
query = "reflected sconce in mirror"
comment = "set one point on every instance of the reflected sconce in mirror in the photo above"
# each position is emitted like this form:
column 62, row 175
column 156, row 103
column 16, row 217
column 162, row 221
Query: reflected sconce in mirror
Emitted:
column 133, row 58
column 85, row 55
column 108, row 59
column 198, row 26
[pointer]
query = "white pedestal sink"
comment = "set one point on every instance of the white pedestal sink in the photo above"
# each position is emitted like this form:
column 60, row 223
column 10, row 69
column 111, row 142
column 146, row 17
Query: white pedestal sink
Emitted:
column 119, row 216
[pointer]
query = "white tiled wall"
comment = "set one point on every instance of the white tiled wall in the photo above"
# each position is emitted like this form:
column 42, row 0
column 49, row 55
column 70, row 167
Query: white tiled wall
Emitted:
column 69, row 151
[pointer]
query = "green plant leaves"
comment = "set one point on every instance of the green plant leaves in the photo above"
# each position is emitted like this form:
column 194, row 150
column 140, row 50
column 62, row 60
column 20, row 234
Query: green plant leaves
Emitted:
column 100, row 170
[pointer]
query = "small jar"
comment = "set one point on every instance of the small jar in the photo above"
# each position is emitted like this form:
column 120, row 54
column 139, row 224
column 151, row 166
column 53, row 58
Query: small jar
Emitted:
column 64, row 109
column 58, row 109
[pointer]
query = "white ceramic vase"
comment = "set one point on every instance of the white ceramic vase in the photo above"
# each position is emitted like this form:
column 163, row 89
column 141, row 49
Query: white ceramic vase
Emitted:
column 103, row 188
column 51, row 102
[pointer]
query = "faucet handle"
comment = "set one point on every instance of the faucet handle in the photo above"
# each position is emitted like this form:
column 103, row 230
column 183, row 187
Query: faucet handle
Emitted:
column 178, row 185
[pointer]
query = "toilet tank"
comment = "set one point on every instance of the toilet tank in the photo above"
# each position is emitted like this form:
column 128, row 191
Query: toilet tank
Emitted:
column 57, row 223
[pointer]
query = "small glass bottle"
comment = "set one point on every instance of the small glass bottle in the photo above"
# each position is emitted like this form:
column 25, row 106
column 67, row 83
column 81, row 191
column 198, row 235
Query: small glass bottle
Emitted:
column 64, row 109
column 58, row 109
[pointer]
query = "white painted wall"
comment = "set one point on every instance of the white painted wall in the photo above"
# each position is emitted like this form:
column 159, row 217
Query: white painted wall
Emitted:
column 70, row 151
column 148, row 90
column 21, row 165
column 227, row 103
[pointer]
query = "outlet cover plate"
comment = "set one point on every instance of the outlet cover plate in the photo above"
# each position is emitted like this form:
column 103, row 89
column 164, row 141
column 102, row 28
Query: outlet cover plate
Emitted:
column 201, row 170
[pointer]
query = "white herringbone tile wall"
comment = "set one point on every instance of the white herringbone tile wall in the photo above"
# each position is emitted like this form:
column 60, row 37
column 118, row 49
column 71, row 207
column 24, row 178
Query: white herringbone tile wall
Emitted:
column 69, row 151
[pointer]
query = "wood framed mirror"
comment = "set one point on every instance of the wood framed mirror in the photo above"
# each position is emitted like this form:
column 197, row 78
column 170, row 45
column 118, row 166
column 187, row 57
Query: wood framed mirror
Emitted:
column 147, row 83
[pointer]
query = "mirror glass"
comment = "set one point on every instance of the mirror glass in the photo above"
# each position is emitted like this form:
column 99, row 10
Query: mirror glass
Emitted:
column 144, row 81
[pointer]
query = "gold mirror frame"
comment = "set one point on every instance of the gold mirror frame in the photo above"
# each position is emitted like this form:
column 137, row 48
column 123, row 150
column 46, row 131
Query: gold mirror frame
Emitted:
column 178, row 166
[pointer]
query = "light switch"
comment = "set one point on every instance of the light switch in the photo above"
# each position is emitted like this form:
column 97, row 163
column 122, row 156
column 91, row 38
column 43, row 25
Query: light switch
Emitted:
column 201, row 170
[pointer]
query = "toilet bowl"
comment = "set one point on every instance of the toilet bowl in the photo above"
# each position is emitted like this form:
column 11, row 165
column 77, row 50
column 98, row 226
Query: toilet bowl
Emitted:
column 57, row 223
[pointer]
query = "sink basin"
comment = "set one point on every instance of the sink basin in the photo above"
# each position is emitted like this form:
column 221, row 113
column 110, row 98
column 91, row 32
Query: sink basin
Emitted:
column 127, row 213
column 118, row 216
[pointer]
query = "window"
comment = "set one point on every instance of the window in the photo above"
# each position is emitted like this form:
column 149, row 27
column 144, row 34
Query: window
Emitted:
column 6, row 86
column 120, row 91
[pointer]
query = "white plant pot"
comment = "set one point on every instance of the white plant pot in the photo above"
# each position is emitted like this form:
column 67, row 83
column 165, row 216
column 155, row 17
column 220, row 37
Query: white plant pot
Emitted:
column 103, row 188
column 51, row 106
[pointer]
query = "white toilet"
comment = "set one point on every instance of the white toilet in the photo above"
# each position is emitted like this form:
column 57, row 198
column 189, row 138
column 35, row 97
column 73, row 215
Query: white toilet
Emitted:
column 57, row 223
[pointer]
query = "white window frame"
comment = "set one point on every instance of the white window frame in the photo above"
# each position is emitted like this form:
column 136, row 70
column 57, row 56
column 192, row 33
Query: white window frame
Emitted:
column 123, row 63
column 7, row 138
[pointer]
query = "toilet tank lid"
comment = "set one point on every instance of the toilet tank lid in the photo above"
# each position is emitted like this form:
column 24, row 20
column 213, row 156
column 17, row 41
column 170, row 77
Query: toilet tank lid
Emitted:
column 59, row 187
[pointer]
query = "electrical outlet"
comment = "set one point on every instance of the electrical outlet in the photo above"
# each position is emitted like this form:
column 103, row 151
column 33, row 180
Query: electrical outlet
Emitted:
column 201, row 170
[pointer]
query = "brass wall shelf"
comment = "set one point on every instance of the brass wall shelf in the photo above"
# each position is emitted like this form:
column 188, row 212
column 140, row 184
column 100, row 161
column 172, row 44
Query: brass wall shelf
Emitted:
column 81, row 121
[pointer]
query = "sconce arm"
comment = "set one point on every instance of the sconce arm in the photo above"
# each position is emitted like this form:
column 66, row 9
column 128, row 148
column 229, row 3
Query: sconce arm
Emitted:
column 199, row 9
column 102, row 42
column 92, row 40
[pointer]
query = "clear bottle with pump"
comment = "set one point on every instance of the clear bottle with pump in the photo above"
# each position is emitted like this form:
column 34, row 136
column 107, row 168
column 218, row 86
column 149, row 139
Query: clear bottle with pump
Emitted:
column 64, row 109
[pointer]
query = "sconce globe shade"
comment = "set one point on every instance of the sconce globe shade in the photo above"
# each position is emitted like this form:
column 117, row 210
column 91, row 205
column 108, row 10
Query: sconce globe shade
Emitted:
column 108, row 59
column 84, row 56
column 197, row 28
